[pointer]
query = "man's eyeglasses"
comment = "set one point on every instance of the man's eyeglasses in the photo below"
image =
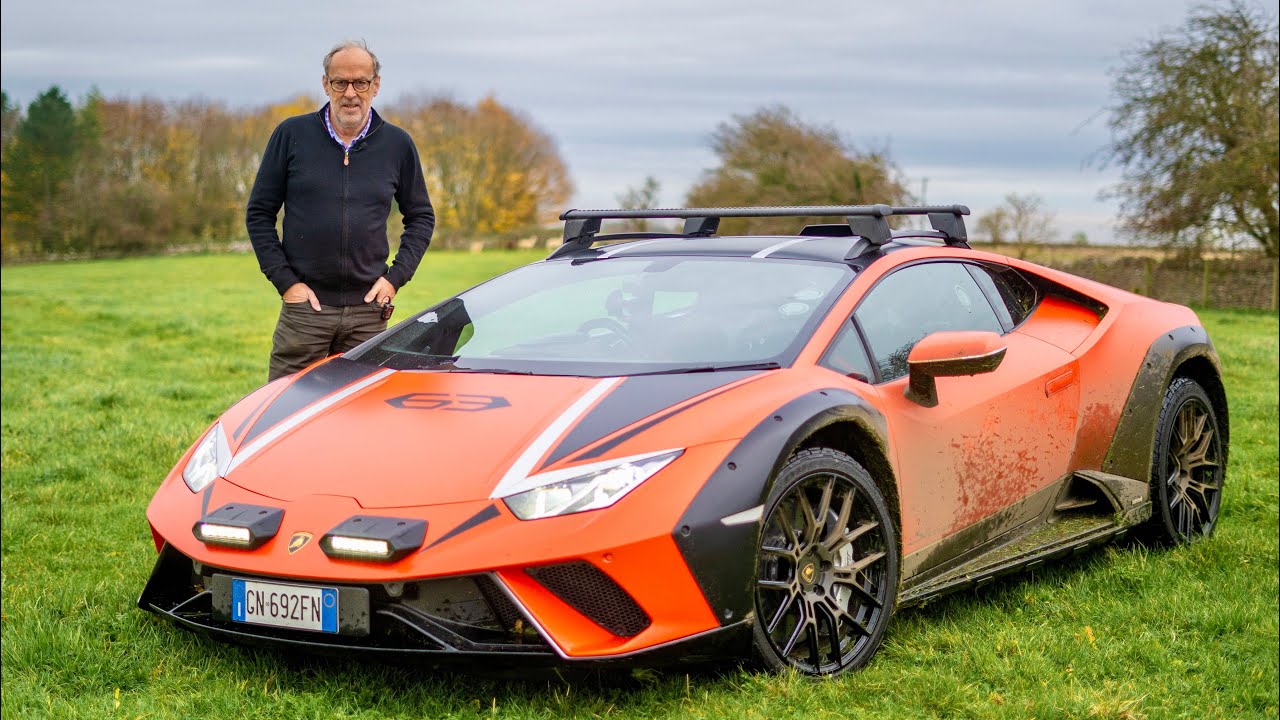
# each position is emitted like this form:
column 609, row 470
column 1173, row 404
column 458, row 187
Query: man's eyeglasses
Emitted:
column 341, row 85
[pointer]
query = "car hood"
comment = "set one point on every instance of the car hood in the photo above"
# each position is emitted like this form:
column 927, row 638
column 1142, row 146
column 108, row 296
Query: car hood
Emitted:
column 410, row 438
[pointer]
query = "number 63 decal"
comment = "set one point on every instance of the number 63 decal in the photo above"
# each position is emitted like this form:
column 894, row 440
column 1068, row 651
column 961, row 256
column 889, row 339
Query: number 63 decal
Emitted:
column 448, row 401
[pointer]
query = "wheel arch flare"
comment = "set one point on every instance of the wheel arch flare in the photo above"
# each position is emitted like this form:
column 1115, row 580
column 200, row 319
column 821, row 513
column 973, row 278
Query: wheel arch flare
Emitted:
column 719, row 531
column 1183, row 351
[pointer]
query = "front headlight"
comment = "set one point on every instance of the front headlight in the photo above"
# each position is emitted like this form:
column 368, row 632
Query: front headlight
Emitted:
column 208, row 461
column 595, row 486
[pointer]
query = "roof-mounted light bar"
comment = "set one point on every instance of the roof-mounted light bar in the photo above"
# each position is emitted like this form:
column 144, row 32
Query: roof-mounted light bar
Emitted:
column 867, row 222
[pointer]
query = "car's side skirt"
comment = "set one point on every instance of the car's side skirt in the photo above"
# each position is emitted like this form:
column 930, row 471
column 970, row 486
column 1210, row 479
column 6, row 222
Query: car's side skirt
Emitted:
column 1084, row 509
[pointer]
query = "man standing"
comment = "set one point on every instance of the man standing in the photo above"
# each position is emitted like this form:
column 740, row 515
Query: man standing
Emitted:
column 335, row 172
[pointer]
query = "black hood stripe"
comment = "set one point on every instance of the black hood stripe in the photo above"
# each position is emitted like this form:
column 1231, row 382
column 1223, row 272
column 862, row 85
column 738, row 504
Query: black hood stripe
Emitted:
column 248, row 417
column 605, row 447
column 310, row 387
column 635, row 399
column 204, row 499
column 490, row 512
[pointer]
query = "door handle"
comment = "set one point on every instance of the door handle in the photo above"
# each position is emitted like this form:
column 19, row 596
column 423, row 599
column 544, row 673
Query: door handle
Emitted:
column 1060, row 383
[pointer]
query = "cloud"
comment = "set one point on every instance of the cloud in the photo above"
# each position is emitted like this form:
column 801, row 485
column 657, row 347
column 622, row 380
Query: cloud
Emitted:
column 999, row 92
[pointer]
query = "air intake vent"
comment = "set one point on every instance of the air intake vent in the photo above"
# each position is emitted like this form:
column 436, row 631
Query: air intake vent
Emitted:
column 501, row 605
column 586, row 589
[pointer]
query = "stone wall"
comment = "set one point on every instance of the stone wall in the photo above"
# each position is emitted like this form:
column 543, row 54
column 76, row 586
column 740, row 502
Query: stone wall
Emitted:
column 1210, row 282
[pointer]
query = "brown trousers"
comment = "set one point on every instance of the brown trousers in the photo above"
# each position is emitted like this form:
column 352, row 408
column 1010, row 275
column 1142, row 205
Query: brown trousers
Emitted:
column 304, row 336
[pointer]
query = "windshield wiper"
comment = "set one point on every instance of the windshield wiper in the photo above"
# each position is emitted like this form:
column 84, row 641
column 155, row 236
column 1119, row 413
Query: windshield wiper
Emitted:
column 714, row 368
column 492, row 371
column 419, row 362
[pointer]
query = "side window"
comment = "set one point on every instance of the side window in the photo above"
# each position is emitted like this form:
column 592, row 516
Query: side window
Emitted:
column 916, row 301
column 847, row 356
column 1019, row 295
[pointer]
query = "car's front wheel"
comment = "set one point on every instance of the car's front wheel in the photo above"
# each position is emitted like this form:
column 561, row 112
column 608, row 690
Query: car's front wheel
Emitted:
column 1188, row 464
column 827, row 566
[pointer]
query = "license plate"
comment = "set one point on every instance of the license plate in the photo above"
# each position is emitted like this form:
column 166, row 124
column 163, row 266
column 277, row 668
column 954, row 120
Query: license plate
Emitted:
column 298, row 607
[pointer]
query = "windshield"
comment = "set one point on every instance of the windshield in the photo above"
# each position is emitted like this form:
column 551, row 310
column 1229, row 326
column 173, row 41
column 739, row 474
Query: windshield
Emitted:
column 620, row 316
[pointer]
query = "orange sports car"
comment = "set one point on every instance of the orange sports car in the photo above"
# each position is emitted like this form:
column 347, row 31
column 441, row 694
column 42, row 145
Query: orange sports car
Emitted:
column 653, row 447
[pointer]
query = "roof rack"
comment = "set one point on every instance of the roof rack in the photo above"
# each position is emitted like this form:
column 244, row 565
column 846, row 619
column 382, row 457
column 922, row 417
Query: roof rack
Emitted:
column 867, row 222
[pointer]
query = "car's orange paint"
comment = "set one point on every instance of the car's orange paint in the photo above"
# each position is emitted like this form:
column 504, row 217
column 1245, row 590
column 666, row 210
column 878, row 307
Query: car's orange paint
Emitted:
column 672, row 600
column 1121, row 341
column 633, row 539
column 1051, row 407
column 955, row 346
column 971, row 456
column 237, row 420
column 500, row 542
column 1021, row 441
column 1060, row 323
column 435, row 456
column 711, row 421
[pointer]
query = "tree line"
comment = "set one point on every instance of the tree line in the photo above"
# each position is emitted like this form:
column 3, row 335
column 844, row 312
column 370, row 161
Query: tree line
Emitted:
column 118, row 176
column 1194, row 124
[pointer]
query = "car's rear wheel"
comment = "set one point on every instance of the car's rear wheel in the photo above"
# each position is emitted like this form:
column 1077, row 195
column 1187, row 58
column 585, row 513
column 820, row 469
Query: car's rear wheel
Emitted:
column 827, row 566
column 1188, row 465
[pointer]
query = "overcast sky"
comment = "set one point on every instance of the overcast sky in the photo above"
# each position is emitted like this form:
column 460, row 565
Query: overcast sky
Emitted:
column 980, row 99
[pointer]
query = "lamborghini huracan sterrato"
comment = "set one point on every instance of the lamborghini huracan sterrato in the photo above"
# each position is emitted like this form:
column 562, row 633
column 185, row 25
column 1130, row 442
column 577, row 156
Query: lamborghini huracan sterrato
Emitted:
column 653, row 447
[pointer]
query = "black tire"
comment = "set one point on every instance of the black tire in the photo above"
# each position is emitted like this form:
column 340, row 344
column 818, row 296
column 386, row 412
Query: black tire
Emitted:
column 826, row 567
column 1188, row 464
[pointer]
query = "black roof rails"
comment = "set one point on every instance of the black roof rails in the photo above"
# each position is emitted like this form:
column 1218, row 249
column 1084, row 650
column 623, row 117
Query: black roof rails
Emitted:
column 865, row 221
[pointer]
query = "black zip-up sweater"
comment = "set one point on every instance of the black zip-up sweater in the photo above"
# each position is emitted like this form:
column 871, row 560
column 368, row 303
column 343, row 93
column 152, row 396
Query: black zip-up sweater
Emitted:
column 335, row 213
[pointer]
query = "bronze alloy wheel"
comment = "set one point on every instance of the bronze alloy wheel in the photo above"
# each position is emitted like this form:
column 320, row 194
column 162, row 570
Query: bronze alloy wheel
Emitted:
column 827, row 566
column 1188, row 465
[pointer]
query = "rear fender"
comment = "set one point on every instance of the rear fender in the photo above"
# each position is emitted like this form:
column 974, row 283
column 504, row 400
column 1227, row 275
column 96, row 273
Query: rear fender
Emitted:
column 1186, row 350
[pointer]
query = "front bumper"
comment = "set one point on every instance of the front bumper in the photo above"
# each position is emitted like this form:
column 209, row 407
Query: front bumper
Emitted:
column 459, row 618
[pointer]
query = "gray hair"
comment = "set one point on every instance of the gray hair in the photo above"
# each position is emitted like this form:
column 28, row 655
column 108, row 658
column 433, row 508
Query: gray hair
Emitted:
column 347, row 45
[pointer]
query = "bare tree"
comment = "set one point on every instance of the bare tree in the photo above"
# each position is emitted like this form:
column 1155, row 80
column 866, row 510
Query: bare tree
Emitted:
column 10, row 116
column 489, row 168
column 771, row 157
column 995, row 226
column 1021, row 219
column 644, row 197
column 1030, row 222
column 1195, row 127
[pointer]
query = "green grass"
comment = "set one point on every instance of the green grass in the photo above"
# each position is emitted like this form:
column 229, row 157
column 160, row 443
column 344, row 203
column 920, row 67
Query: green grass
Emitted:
column 110, row 369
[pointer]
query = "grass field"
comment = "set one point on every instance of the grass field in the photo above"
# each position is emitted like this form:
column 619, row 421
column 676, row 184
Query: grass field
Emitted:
column 110, row 369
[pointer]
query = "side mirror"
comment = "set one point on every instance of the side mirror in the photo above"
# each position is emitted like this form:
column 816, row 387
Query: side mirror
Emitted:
column 947, row 354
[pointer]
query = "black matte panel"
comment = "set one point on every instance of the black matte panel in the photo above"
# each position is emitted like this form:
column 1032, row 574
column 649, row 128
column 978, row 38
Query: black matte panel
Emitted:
column 249, row 416
column 605, row 447
column 722, row 557
column 262, row 522
column 824, row 249
column 310, row 387
column 490, row 512
column 725, row 246
column 589, row 590
column 404, row 535
column 637, row 398
column 1130, row 452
